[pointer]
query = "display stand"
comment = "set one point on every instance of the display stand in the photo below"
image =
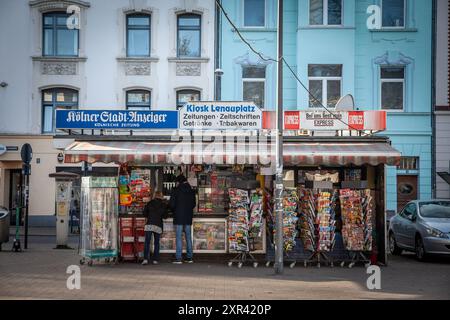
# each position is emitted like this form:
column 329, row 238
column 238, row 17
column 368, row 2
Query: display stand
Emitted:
column 318, row 221
column 99, row 198
column 357, row 214
column 241, row 231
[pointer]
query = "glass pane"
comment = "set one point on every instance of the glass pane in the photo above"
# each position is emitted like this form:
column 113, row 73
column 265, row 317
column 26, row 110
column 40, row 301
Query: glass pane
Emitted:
column 139, row 21
column 48, row 20
column 48, row 42
column 333, row 92
column 392, row 95
column 315, row 87
column 253, row 72
column 334, row 12
column 48, row 119
column 316, row 12
column 61, row 21
column 67, row 42
column 189, row 43
column 393, row 13
column 136, row 108
column 138, row 43
column 48, row 95
column 254, row 13
column 186, row 96
column 139, row 97
column 254, row 91
column 66, row 96
column 325, row 70
column 189, row 21
column 392, row 73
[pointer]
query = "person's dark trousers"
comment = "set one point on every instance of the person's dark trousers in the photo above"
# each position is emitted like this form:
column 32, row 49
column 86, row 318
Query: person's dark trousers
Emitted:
column 156, row 237
column 148, row 238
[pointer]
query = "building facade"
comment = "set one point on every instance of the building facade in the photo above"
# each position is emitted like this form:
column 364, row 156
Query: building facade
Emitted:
column 442, row 108
column 381, row 55
column 125, row 54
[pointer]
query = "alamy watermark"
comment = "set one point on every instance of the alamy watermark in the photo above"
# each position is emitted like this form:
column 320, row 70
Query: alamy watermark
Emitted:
column 74, row 280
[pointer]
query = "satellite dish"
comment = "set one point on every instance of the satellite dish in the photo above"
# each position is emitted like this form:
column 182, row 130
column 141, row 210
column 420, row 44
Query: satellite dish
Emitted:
column 346, row 103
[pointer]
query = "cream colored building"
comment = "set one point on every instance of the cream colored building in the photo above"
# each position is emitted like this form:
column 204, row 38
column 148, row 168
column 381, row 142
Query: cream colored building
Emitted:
column 126, row 54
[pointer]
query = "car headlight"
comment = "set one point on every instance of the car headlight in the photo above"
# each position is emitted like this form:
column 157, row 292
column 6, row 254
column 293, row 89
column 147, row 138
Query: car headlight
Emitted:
column 435, row 232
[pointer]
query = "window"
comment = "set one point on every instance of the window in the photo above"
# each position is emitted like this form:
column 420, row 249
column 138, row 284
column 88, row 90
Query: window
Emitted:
column 325, row 12
column 58, row 40
column 324, row 84
column 392, row 88
column 254, row 13
column 138, row 100
column 393, row 13
column 409, row 163
column 53, row 99
column 409, row 211
column 253, row 84
column 138, row 35
column 184, row 96
column 189, row 35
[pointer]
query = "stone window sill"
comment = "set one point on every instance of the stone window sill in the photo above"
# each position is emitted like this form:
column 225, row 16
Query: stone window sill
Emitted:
column 193, row 59
column 58, row 59
column 137, row 59
column 394, row 30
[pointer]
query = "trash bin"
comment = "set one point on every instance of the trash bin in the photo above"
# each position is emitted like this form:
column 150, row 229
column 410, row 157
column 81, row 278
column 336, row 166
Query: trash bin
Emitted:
column 4, row 225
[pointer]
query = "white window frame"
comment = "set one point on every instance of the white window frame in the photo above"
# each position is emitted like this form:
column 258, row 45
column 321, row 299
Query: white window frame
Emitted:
column 324, row 89
column 404, row 17
column 325, row 16
column 255, row 80
column 395, row 81
column 243, row 16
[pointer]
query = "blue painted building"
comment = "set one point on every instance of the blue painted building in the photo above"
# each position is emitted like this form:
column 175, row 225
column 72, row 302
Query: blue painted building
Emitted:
column 330, row 46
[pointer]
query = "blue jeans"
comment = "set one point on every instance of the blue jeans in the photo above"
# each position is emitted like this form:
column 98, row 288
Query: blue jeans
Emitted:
column 179, row 235
column 148, row 237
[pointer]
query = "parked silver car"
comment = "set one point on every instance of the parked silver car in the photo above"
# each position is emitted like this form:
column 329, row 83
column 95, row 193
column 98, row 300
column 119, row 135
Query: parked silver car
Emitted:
column 422, row 227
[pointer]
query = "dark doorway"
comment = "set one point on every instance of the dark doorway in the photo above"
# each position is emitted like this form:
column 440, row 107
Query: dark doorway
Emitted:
column 15, row 195
column 406, row 190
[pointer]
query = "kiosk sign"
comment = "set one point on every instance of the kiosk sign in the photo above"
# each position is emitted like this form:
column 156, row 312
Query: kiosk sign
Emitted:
column 220, row 115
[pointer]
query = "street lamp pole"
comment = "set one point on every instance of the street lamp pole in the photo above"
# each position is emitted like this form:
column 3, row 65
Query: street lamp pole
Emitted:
column 279, row 145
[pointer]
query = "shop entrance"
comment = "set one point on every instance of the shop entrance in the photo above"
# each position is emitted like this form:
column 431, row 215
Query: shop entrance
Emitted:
column 406, row 190
column 15, row 191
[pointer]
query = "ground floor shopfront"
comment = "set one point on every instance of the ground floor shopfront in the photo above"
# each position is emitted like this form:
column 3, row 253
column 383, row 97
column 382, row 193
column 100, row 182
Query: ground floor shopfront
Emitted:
column 334, row 199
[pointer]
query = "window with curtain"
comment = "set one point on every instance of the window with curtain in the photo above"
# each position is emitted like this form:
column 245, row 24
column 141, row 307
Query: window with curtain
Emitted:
column 184, row 96
column 325, row 12
column 138, row 35
column 254, row 84
column 54, row 99
column 58, row 40
column 189, row 35
column 393, row 13
column 254, row 13
column 324, row 84
column 392, row 88
column 138, row 100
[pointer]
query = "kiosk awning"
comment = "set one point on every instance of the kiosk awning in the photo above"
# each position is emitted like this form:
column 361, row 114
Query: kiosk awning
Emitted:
column 294, row 153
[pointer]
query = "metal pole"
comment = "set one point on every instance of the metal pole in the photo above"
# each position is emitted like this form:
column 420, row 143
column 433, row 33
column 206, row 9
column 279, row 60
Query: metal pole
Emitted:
column 27, row 180
column 279, row 143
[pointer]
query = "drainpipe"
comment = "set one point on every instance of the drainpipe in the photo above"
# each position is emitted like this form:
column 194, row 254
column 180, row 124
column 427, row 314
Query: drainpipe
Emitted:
column 433, row 100
column 217, row 55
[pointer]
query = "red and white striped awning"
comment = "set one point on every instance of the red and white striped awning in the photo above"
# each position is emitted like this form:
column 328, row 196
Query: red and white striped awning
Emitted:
column 294, row 153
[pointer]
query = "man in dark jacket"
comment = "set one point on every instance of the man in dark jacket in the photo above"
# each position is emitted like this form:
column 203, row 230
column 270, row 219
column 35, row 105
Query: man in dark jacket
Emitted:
column 155, row 211
column 182, row 203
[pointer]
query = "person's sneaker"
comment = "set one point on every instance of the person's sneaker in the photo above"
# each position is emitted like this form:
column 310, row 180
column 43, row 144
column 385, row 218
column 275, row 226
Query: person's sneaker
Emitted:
column 177, row 262
column 144, row 262
column 189, row 260
column 155, row 262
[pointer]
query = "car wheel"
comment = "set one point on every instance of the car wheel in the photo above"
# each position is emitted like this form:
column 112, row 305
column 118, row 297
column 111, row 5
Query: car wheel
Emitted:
column 393, row 248
column 421, row 254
